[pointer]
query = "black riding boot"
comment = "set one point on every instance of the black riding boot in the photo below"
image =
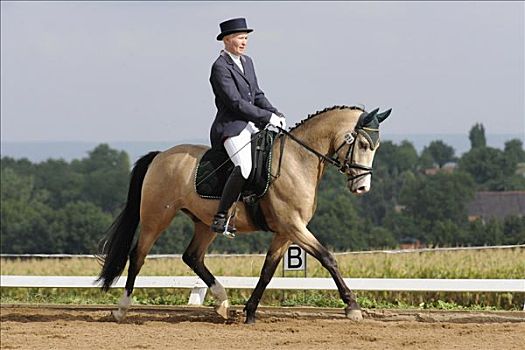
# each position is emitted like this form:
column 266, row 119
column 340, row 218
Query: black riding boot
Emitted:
column 231, row 192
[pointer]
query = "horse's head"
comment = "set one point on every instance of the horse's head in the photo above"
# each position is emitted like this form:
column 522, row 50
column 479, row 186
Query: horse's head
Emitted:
column 356, row 159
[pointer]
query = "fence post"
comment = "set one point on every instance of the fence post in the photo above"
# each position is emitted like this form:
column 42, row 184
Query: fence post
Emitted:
column 197, row 295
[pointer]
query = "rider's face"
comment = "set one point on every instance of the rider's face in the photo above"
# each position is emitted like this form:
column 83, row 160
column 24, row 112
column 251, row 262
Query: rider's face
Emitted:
column 236, row 43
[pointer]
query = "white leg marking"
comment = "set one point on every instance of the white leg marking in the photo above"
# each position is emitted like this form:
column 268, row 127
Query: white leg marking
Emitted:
column 222, row 304
column 123, row 307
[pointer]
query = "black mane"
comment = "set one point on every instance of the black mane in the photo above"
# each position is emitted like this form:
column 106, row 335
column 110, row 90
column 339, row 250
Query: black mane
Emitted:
column 310, row 116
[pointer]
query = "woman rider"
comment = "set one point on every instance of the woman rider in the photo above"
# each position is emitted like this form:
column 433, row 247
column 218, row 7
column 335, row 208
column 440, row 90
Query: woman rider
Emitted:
column 242, row 109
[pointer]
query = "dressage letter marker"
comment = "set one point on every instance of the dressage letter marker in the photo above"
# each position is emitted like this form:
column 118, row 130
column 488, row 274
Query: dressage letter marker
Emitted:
column 294, row 259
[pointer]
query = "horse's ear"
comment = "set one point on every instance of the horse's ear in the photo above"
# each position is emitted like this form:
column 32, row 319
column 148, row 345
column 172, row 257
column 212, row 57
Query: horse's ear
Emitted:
column 370, row 116
column 384, row 115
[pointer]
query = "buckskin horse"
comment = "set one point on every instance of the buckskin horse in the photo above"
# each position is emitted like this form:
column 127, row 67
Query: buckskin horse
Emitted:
column 162, row 183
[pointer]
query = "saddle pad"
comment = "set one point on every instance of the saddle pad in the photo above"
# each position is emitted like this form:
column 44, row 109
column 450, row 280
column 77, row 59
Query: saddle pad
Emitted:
column 210, row 176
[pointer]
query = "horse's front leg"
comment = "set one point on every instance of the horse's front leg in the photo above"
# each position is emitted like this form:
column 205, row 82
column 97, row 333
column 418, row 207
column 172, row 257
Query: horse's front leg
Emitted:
column 306, row 240
column 275, row 253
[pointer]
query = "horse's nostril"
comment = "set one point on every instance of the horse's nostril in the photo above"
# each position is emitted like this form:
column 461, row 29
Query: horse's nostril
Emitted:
column 362, row 189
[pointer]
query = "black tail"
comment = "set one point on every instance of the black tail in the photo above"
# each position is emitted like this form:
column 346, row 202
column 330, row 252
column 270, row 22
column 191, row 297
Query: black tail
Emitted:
column 115, row 247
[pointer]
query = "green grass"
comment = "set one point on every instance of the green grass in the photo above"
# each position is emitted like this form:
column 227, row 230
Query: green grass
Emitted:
column 493, row 263
column 391, row 300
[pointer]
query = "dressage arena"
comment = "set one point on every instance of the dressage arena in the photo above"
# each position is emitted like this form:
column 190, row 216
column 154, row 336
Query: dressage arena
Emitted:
column 83, row 327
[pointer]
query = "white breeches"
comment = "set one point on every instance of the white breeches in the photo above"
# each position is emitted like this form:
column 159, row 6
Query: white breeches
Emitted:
column 240, row 150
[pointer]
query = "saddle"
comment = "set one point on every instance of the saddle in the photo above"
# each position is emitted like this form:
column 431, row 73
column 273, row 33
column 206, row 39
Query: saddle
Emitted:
column 215, row 167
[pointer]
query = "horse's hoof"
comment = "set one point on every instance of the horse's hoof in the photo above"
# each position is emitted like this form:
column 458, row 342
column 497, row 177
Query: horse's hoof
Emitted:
column 250, row 319
column 222, row 309
column 119, row 315
column 354, row 315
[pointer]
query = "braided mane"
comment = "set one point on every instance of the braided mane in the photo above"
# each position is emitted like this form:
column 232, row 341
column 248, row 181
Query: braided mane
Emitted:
column 311, row 116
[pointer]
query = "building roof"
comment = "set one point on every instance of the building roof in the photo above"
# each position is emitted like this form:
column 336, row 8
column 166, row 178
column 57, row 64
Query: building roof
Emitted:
column 497, row 204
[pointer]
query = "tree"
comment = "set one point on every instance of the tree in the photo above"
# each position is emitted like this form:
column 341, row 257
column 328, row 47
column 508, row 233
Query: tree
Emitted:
column 378, row 237
column 514, row 155
column 477, row 136
column 489, row 233
column 383, row 196
column 514, row 150
column 21, row 166
column 447, row 232
column 60, row 179
column 78, row 227
column 24, row 216
column 439, row 152
column 514, row 230
column 392, row 159
column 487, row 166
column 439, row 198
column 106, row 174
column 402, row 225
column 426, row 160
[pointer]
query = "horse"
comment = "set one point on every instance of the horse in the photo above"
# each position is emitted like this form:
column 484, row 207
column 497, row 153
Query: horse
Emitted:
column 162, row 183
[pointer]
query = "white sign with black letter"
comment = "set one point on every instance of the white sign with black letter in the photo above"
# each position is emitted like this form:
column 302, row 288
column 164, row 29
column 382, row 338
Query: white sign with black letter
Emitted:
column 294, row 258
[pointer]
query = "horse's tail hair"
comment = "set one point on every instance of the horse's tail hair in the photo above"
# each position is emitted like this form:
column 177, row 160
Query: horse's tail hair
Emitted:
column 115, row 247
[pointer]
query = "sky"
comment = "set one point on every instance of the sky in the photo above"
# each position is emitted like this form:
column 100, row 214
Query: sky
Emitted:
column 139, row 71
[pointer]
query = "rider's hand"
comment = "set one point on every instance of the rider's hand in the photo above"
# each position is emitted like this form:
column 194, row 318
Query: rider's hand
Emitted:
column 284, row 119
column 276, row 120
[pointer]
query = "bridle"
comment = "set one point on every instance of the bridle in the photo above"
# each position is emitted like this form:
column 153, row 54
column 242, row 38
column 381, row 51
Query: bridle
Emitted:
column 348, row 162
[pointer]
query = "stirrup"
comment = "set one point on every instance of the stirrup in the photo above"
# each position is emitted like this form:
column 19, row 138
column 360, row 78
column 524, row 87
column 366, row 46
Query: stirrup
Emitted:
column 229, row 231
column 228, row 234
column 220, row 224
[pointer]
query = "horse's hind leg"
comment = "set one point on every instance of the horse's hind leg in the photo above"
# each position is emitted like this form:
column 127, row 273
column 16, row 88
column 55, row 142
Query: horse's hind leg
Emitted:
column 194, row 258
column 148, row 236
column 306, row 240
column 275, row 253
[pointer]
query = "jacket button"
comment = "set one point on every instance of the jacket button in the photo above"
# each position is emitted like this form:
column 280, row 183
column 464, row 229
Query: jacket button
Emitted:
column 249, row 93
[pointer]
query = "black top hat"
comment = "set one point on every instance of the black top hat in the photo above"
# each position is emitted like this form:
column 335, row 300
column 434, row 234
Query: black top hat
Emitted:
column 235, row 25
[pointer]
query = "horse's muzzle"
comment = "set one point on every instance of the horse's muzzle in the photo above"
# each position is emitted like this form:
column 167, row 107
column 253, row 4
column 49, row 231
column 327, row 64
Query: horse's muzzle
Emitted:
column 359, row 186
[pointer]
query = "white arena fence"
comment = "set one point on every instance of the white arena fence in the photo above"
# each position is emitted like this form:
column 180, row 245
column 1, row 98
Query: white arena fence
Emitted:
column 199, row 288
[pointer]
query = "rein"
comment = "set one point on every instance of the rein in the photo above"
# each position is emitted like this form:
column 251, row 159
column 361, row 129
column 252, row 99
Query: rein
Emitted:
column 348, row 163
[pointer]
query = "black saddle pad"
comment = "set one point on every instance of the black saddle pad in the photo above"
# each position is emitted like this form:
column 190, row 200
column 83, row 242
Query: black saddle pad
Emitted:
column 215, row 167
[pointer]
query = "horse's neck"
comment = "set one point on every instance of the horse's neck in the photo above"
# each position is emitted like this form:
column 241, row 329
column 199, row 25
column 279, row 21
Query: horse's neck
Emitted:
column 303, row 170
column 319, row 132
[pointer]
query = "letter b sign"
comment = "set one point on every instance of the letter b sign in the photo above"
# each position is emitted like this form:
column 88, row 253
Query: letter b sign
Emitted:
column 294, row 258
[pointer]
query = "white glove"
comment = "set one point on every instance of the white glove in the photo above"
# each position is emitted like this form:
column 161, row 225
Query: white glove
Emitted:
column 275, row 120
